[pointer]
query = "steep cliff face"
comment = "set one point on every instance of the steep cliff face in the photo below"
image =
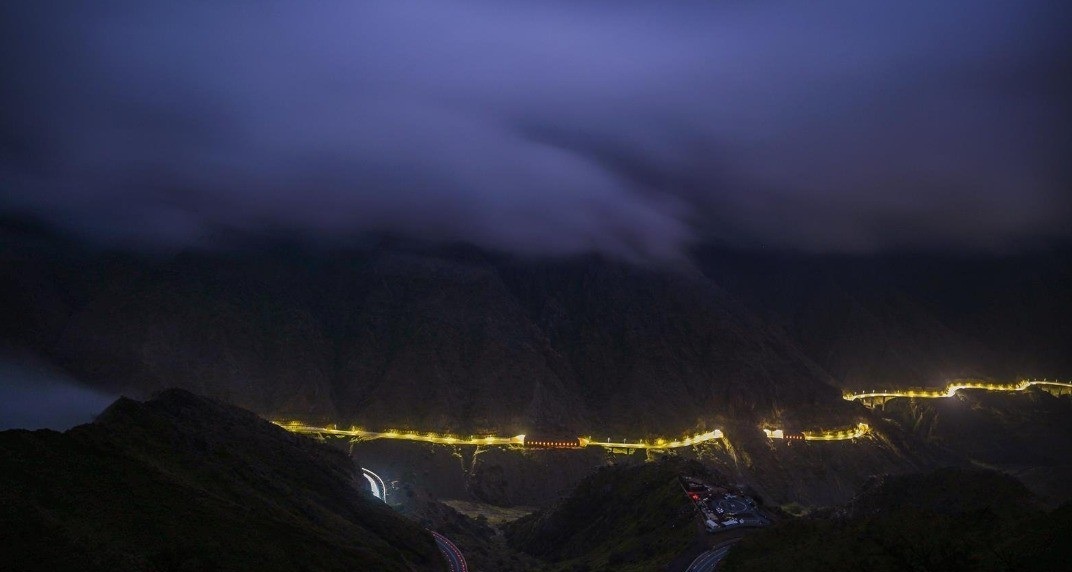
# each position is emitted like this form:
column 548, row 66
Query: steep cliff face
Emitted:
column 446, row 340
column 455, row 339
column 645, row 346
column 901, row 320
column 442, row 343
column 181, row 482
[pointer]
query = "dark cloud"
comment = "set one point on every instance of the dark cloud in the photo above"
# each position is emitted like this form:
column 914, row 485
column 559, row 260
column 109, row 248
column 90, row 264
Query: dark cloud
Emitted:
column 545, row 127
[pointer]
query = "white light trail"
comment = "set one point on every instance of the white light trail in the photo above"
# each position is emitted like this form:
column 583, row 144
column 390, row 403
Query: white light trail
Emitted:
column 376, row 484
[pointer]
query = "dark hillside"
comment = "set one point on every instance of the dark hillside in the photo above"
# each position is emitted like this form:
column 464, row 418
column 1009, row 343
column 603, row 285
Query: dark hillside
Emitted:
column 948, row 520
column 185, row 483
column 1028, row 434
column 622, row 518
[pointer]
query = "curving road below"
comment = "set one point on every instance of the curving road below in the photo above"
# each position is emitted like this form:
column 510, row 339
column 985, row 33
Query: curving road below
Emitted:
column 453, row 555
column 709, row 560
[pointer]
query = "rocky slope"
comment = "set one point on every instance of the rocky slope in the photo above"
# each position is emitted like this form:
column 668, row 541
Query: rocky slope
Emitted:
column 1028, row 435
column 181, row 482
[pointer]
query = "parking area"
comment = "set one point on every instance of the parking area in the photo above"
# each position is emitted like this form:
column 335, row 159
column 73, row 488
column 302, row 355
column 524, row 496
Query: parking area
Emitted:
column 722, row 508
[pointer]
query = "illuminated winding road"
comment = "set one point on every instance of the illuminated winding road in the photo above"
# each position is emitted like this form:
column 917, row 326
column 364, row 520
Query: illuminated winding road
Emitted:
column 857, row 431
column 842, row 434
column 847, row 434
column 362, row 435
column 881, row 396
column 656, row 443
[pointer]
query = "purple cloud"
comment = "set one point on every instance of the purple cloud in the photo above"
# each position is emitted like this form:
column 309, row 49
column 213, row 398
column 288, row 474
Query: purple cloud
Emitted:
column 548, row 128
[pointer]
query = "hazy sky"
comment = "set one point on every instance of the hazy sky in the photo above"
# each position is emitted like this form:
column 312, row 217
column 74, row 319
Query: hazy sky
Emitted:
column 32, row 396
column 632, row 128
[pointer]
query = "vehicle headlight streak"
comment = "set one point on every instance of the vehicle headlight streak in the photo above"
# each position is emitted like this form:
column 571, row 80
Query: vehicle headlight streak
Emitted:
column 376, row 484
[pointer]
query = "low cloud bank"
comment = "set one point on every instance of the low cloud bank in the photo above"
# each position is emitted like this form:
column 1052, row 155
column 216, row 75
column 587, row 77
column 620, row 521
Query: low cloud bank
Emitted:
column 632, row 129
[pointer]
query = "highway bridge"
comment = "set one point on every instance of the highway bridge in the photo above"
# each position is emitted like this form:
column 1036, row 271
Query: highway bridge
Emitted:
column 358, row 435
column 857, row 431
column 841, row 434
column 873, row 398
column 654, row 443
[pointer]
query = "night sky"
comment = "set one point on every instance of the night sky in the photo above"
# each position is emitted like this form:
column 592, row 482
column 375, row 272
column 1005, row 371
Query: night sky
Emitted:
column 634, row 129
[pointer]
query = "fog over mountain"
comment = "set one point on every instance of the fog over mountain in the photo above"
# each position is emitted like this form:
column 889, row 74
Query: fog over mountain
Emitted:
column 625, row 128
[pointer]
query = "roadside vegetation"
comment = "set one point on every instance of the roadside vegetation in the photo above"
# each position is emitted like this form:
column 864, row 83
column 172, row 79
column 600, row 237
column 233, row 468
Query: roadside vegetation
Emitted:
column 948, row 520
column 186, row 483
column 621, row 518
